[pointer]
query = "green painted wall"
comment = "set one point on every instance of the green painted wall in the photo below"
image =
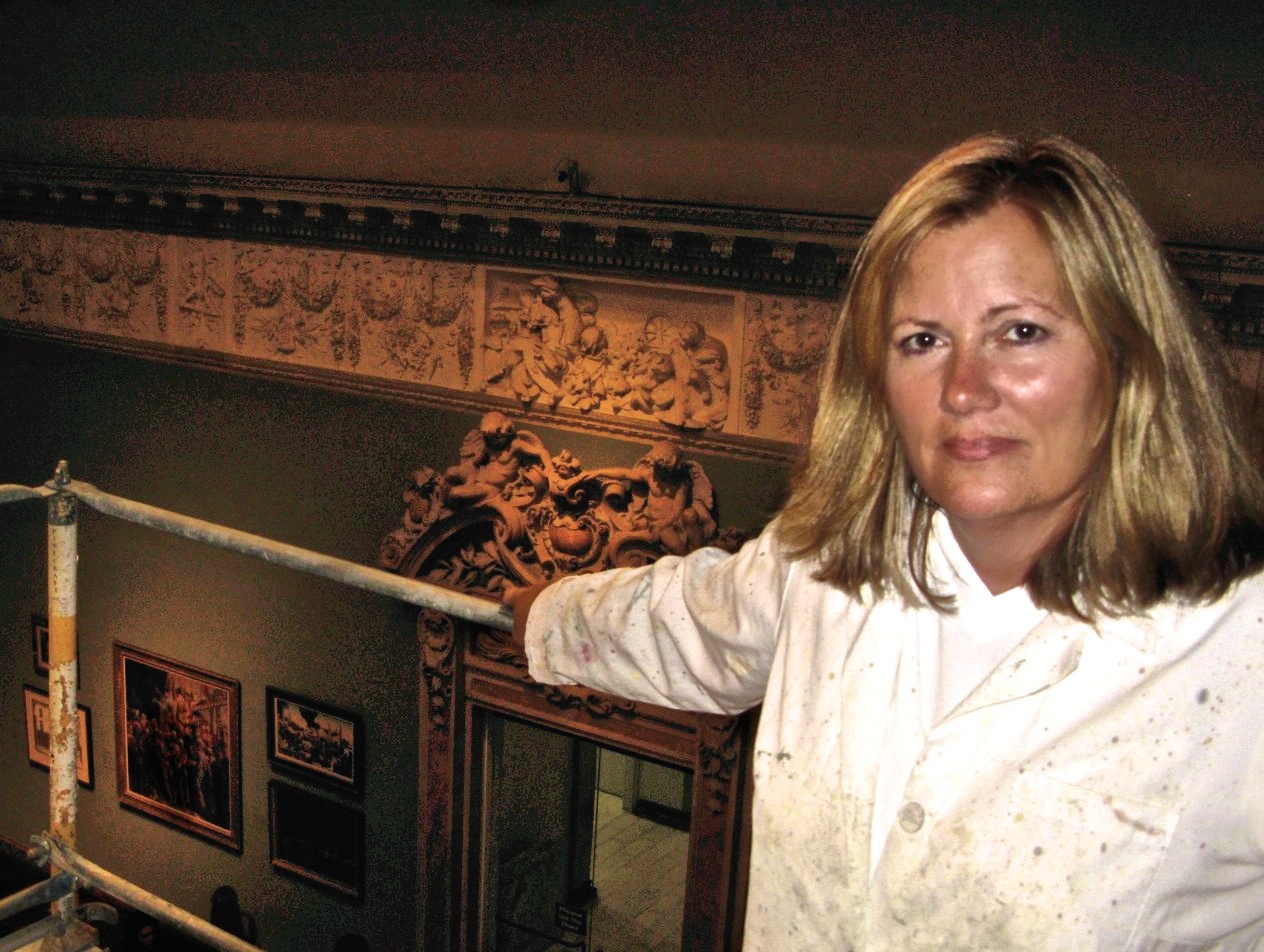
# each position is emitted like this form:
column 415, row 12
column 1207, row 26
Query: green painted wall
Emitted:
column 314, row 468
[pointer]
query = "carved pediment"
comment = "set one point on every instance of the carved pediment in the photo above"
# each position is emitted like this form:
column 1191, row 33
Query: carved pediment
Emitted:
column 510, row 512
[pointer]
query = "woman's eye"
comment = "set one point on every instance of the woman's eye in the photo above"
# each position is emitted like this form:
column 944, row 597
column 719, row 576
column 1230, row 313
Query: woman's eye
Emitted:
column 918, row 342
column 1025, row 333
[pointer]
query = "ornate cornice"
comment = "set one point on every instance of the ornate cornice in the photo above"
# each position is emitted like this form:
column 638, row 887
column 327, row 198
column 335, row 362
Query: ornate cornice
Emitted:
column 719, row 246
column 626, row 318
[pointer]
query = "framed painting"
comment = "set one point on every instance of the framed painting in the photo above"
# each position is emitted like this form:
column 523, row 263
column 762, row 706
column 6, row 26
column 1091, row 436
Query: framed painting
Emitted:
column 39, row 643
column 319, row 741
column 178, row 744
column 39, row 748
column 316, row 838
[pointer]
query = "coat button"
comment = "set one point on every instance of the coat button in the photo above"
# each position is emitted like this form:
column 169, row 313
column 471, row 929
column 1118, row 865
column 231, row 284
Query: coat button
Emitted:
column 912, row 816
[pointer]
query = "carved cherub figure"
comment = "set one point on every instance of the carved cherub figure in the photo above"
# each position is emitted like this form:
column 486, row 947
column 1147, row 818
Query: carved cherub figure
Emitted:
column 704, row 376
column 679, row 501
column 499, row 464
column 663, row 497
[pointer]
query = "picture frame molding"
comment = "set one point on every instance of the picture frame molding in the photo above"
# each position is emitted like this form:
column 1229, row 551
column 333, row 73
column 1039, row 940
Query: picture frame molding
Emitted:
column 39, row 644
column 227, row 834
column 284, row 849
column 85, row 772
column 275, row 698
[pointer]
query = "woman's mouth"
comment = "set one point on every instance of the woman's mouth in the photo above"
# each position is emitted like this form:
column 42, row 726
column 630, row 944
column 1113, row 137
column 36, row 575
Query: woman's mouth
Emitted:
column 975, row 449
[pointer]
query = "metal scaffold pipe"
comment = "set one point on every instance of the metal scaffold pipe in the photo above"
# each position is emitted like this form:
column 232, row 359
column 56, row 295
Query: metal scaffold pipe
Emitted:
column 90, row 873
column 63, row 496
column 12, row 493
column 472, row 608
column 63, row 671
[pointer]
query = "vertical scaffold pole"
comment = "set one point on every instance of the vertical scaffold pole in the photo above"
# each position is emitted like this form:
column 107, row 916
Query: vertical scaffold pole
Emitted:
column 63, row 670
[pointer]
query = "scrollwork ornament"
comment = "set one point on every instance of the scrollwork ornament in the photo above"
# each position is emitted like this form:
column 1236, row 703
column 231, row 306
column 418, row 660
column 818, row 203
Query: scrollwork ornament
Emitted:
column 592, row 704
column 718, row 757
column 495, row 646
column 438, row 639
column 509, row 512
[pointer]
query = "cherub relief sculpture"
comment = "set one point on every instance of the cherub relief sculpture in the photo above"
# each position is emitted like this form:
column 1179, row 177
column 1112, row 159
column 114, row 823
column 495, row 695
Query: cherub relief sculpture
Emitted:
column 585, row 379
column 704, row 377
column 679, row 374
column 662, row 501
column 541, row 342
column 510, row 513
column 549, row 349
column 501, row 468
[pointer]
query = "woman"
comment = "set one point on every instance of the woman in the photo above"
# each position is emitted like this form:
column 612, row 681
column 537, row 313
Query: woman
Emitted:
column 1007, row 631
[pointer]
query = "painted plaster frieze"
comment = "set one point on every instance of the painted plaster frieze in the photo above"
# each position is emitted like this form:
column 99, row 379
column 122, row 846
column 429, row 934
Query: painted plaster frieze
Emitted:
column 637, row 358
column 637, row 320
column 606, row 347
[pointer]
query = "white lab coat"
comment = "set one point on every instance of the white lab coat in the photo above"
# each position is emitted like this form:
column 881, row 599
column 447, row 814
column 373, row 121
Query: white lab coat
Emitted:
column 1102, row 788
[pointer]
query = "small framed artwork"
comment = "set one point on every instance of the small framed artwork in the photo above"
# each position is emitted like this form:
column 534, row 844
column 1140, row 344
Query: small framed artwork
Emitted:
column 39, row 747
column 316, row 838
column 178, row 742
column 39, row 643
column 319, row 741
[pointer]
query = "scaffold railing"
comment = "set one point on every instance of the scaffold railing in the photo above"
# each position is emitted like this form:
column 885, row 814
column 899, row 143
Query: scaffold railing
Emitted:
column 57, row 845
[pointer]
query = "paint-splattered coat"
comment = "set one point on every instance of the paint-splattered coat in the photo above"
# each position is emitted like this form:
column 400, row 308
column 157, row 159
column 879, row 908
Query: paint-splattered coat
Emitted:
column 1101, row 789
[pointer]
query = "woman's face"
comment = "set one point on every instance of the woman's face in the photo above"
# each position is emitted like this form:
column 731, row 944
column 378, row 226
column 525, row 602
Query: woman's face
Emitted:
column 995, row 389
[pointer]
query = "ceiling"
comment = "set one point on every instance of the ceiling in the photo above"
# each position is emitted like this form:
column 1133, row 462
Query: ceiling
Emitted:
column 802, row 106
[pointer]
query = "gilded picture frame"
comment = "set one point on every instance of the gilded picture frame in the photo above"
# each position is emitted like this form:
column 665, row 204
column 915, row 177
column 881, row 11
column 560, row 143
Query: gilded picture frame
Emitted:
column 178, row 744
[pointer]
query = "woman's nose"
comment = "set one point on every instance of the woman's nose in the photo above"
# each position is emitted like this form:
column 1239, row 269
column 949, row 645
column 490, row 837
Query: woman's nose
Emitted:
column 968, row 385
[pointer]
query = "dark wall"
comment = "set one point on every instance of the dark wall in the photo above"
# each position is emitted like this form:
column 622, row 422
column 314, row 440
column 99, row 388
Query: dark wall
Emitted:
column 317, row 469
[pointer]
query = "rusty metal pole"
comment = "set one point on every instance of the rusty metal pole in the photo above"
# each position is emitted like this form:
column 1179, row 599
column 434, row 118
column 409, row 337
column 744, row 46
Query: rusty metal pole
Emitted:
column 63, row 672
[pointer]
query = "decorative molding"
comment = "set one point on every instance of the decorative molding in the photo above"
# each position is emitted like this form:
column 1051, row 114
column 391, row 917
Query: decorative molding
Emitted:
column 720, row 750
column 640, row 320
column 1230, row 285
column 591, row 702
column 510, row 513
column 438, row 643
column 745, row 248
column 721, row 246
column 721, row 370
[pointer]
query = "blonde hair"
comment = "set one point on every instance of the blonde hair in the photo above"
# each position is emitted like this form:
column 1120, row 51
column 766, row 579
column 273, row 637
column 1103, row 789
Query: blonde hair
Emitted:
column 1175, row 504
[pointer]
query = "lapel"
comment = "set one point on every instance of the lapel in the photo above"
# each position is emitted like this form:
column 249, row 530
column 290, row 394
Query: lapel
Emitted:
column 1049, row 653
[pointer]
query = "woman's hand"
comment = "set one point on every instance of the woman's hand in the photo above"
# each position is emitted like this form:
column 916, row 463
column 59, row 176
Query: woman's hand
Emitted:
column 520, row 600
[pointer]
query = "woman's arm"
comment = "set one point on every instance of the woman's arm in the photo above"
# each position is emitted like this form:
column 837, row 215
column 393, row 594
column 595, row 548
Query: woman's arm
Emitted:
column 695, row 632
